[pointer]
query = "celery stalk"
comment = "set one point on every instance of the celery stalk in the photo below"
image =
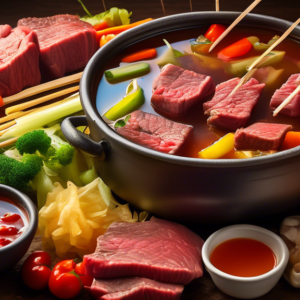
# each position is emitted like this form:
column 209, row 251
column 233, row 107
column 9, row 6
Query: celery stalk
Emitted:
column 41, row 118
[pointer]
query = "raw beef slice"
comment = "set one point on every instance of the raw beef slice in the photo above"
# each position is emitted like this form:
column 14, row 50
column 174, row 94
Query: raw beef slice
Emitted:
column 19, row 59
column 293, row 108
column 175, row 90
column 66, row 43
column 233, row 112
column 155, row 132
column 134, row 288
column 157, row 249
column 261, row 136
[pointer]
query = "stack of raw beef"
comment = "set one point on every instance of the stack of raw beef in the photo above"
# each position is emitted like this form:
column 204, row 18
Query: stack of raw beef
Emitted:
column 43, row 47
column 151, row 260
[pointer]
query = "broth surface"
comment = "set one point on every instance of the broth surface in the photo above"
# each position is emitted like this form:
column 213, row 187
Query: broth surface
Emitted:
column 110, row 94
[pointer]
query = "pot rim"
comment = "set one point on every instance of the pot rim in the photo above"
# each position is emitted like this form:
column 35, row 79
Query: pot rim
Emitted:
column 165, row 25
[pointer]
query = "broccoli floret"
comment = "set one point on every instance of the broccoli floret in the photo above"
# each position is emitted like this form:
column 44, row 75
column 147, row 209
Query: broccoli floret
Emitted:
column 19, row 174
column 33, row 141
column 64, row 154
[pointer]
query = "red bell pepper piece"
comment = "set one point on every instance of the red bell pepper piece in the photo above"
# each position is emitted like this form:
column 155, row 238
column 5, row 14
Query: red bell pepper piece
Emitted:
column 214, row 31
column 36, row 270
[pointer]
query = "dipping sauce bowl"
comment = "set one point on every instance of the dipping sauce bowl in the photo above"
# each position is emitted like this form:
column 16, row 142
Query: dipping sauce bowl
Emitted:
column 246, row 287
column 13, row 252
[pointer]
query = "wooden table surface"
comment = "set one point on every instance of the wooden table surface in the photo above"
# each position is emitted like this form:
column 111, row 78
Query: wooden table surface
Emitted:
column 11, row 287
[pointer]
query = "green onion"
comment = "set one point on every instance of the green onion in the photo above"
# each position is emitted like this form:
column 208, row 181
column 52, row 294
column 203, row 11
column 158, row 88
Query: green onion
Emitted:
column 127, row 72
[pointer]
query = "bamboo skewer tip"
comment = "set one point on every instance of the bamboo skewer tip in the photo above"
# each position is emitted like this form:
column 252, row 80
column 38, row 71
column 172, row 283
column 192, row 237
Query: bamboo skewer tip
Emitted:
column 236, row 21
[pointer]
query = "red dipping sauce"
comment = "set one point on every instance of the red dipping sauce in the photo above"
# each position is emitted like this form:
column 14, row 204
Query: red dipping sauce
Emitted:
column 11, row 222
column 243, row 257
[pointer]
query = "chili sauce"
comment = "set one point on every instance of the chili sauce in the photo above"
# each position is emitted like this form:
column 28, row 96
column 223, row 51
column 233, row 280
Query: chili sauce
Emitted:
column 12, row 222
column 243, row 257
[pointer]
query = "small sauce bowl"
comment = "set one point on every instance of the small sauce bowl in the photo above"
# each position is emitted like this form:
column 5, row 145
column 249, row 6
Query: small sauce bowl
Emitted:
column 12, row 253
column 246, row 287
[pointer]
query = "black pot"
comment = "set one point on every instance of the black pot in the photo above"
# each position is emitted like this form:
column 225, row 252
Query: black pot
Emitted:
column 174, row 187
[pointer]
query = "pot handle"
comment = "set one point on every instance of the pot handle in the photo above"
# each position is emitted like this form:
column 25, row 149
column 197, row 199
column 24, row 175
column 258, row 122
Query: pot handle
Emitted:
column 80, row 140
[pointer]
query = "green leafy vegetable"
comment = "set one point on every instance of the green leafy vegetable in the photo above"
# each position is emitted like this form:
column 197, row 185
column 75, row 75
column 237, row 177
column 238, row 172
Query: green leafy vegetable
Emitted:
column 170, row 56
column 114, row 16
column 263, row 47
column 122, row 123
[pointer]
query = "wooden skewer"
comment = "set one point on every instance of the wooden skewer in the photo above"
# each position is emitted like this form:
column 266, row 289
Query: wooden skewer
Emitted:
column 163, row 7
column 237, row 20
column 14, row 116
column 48, row 86
column 38, row 101
column 259, row 59
column 8, row 142
column 286, row 101
column 191, row 5
column 7, row 125
column 103, row 2
column 246, row 77
column 255, row 63
column 217, row 5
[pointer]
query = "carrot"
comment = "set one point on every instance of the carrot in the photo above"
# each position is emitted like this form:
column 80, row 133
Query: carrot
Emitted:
column 101, row 26
column 237, row 49
column 291, row 140
column 143, row 54
column 119, row 29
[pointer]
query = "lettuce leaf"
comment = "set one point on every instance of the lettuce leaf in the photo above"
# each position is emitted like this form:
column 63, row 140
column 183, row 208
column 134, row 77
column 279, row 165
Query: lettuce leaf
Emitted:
column 114, row 16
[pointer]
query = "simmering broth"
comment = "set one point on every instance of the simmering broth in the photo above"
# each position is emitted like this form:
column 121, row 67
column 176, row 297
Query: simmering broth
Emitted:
column 110, row 94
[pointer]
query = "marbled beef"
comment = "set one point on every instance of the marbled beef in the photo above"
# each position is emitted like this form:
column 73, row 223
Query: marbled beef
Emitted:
column 261, row 136
column 176, row 90
column 19, row 59
column 66, row 43
column 155, row 132
column 134, row 288
column 157, row 249
column 233, row 112
column 293, row 108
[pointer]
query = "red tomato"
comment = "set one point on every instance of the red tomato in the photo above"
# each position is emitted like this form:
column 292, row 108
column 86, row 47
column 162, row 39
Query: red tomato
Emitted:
column 8, row 217
column 237, row 49
column 36, row 270
column 8, row 230
column 4, row 242
column 85, row 279
column 64, row 283
column 214, row 31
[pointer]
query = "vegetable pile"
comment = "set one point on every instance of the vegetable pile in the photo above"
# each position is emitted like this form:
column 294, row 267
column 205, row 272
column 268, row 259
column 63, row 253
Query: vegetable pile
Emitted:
column 39, row 159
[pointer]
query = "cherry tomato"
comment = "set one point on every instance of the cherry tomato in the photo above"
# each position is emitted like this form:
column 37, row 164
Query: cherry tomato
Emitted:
column 36, row 270
column 4, row 242
column 8, row 230
column 9, row 217
column 214, row 31
column 64, row 283
column 237, row 49
column 85, row 279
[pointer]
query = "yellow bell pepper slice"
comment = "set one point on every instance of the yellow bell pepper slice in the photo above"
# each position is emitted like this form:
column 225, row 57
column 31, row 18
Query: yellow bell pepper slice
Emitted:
column 219, row 148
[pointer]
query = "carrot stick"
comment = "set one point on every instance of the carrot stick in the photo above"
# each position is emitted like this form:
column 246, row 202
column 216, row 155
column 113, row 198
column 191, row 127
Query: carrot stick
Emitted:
column 143, row 54
column 291, row 140
column 119, row 29
column 101, row 26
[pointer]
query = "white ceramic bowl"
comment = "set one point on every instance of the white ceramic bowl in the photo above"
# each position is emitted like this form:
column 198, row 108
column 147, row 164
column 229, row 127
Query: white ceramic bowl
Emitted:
column 246, row 287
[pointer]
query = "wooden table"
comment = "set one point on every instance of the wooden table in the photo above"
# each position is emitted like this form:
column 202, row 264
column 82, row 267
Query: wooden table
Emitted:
column 11, row 286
